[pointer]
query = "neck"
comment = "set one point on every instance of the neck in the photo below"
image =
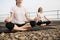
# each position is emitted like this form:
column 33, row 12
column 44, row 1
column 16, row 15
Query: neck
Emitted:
column 19, row 5
column 40, row 12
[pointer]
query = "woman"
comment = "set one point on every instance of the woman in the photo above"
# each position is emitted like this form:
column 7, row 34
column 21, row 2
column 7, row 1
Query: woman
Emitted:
column 17, row 19
column 41, row 19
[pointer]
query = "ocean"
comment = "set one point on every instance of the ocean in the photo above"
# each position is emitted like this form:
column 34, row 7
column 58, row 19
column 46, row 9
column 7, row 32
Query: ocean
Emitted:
column 53, row 15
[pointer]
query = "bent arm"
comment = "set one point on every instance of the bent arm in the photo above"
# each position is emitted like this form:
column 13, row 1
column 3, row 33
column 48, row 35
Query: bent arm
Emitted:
column 46, row 18
column 10, row 18
column 27, row 17
column 36, row 18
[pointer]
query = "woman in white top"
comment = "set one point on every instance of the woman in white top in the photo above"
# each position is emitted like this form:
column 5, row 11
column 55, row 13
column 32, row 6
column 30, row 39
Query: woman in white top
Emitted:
column 41, row 18
column 17, row 19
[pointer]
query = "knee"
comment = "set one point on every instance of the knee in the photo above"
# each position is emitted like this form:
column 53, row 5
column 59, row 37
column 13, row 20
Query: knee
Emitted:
column 49, row 21
column 32, row 23
column 9, row 25
column 39, row 22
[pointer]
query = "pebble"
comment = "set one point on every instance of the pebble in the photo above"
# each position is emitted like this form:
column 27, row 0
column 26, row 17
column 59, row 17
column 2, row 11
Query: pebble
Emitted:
column 50, row 34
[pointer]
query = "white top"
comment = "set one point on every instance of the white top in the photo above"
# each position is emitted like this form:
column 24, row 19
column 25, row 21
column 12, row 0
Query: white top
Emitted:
column 41, row 16
column 19, row 14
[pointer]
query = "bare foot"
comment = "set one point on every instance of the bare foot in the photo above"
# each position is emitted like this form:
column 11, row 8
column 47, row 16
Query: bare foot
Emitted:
column 43, row 24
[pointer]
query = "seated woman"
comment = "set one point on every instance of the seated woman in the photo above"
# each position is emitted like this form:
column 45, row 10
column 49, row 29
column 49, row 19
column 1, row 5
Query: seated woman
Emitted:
column 41, row 19
column 17, row 19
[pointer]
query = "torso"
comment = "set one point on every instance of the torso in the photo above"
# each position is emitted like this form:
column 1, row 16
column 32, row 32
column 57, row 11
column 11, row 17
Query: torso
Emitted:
column 19, row 15
column 41, row 16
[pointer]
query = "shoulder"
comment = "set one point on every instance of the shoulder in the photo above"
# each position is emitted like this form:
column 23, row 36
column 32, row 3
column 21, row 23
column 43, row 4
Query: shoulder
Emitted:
column 13, row 7
column 38, row 13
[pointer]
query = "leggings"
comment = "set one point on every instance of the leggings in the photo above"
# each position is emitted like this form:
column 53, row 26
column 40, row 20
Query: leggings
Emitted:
column 44, row 22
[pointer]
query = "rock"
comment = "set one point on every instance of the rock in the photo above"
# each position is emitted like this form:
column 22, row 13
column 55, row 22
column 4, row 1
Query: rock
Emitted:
column 42, row 34
column 54, row 36
column 22, row 38
column 3, row 34
column 45, row 39
column 50, row 38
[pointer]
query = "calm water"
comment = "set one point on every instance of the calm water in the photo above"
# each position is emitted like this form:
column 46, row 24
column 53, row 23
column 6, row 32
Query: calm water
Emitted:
column 50, row 15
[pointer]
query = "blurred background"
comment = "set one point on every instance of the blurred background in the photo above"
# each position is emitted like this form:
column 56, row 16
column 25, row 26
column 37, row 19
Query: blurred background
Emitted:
column 51, row 8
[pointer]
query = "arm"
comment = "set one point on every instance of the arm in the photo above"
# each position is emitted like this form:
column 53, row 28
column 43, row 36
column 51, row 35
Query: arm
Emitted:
column 10, row 18
column 36, row 18
column 47, row 18
column 27, row 17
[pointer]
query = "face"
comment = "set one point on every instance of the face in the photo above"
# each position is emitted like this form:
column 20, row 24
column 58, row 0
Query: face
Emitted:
column 19, row 1
column 40, row 9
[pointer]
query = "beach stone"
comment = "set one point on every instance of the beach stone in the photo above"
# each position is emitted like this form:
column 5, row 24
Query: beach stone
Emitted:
column 22, row 38
column 38, row 33
column 2, row 34
column 50, row 38
column 45, row 39
column 1, row 38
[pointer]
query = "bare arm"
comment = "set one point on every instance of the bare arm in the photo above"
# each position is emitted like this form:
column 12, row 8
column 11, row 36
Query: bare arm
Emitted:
column 27, row 17
column 46, row 18
column 10, row 18
column 37, row 18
